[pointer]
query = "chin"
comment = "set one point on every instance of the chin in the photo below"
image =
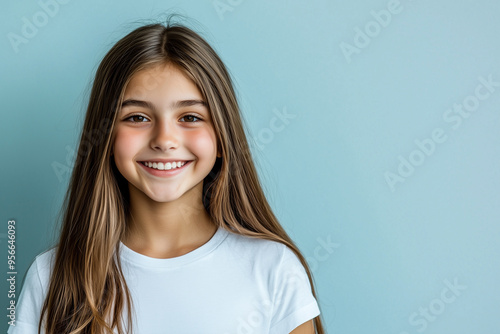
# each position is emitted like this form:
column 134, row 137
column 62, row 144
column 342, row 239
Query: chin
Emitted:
column 163, row 199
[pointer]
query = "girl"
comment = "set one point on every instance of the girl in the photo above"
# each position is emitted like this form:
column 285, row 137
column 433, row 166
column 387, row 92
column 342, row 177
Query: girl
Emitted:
column 166, row 228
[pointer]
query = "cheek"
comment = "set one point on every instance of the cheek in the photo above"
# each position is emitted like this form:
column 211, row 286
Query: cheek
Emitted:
column 124, row 145
column 203, row 142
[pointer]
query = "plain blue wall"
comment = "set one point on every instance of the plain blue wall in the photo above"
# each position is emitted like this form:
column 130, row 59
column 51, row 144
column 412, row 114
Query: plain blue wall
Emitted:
column 399, row 240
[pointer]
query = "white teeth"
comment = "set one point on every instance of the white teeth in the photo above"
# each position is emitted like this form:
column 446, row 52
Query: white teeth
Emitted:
column 164, row 166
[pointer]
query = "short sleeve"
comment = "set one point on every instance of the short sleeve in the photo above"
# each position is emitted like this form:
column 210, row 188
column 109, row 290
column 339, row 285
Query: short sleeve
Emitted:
column 29, row 303
column 293, row 302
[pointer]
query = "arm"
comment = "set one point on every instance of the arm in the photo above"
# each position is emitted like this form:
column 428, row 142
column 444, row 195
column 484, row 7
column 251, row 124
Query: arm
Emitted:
column 306, row 328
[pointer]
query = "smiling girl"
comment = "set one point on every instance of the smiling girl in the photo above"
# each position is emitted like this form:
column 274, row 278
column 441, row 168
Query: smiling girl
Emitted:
column 166, row 228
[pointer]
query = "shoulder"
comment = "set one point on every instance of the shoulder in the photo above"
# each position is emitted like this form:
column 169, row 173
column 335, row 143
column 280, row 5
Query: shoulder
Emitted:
column 256, row 249
column 271, row 258
column 41, row 268
column 45, row 260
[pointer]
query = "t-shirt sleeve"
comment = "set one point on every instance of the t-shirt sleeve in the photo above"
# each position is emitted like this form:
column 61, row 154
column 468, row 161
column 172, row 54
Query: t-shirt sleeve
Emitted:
column 29, row 303
column 294, row 302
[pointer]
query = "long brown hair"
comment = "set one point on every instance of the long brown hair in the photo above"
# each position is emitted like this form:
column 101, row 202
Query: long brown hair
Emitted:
column 87, row 291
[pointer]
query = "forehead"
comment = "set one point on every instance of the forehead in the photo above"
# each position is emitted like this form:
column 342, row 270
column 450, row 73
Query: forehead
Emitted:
column 161, row 78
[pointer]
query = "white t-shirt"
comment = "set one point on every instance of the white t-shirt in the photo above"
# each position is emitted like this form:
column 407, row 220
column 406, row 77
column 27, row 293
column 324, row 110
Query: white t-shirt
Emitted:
column 232, row 284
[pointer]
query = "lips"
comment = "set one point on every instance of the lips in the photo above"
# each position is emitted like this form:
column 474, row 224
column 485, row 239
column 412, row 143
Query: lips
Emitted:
column 164, row 166
column 164, row 172
column 165, row 160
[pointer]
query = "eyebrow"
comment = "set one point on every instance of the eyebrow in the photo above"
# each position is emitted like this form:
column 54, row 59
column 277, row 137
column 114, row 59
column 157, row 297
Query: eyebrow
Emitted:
column 175, row 105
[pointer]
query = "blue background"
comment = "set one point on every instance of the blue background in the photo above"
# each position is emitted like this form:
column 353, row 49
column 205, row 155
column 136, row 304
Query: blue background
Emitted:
column 383, row 256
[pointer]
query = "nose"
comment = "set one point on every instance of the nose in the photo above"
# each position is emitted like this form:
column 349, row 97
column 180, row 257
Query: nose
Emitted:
column 165, row 136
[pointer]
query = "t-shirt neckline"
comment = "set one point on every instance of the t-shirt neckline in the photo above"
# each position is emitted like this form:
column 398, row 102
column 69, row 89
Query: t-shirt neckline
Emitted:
column 129, row 255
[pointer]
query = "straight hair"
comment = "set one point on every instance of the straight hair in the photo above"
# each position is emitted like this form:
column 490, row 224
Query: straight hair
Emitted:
column 87, row 291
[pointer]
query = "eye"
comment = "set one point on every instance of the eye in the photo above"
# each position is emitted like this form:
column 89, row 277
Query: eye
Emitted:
column 136, row 118
column 190, row 118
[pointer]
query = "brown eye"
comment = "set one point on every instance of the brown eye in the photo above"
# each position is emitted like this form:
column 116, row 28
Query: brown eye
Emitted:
column 137, row 118
column 191, row 117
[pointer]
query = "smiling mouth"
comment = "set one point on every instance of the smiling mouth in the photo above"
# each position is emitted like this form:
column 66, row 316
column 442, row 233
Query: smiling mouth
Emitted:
column 164, row 166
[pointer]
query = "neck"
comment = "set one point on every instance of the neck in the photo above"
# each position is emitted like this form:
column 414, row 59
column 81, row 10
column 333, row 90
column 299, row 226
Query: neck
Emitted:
column 170, row 229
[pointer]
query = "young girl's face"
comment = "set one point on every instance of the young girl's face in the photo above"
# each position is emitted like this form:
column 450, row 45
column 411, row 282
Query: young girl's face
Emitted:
column 164, row 119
